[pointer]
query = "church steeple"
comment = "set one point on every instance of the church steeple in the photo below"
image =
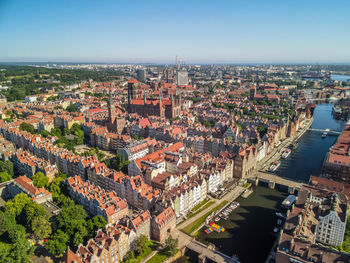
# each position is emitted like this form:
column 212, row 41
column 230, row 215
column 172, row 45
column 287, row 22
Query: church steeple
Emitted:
column 111, row 113
column 160, row 103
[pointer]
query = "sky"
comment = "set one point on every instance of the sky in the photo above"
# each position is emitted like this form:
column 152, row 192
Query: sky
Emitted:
column 155, row 31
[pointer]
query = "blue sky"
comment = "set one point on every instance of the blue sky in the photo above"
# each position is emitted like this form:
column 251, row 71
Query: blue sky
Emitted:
column 232, row 31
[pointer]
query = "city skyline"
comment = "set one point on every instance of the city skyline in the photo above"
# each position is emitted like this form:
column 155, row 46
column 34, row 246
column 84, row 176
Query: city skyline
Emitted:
column 199, row 32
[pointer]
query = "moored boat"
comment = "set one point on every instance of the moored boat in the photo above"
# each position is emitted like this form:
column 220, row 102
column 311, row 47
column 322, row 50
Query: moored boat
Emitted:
column 286, row 153
column 274, row 166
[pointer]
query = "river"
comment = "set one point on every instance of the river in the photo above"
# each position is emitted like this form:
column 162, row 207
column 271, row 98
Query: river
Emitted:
column 307, row 159
column 249, row 230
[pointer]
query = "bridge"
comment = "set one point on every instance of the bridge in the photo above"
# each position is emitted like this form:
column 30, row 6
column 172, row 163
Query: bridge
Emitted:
column 272, row 180
column 330, row 132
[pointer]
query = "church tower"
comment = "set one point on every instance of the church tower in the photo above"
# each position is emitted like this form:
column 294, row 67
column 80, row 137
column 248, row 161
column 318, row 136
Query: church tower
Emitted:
column 160, row 104
column 111, row 111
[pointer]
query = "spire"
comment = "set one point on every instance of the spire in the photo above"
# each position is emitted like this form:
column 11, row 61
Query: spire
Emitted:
column 144, row 96
column 160, row 95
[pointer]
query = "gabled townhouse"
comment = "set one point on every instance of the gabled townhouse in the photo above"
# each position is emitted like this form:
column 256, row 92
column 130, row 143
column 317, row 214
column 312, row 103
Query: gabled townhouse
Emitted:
column 163, row 224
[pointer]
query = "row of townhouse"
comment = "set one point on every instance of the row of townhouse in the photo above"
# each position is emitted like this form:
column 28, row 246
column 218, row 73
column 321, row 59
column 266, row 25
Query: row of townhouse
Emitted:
column 97, row 201
column 112, row 244
column 65, row 160
column 184, row 197
column 28, row 164
column 100, row 137
column 136, row 192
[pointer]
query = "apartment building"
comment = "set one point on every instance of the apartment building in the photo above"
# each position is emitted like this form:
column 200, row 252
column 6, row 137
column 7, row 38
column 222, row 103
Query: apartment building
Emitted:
column 97, row 201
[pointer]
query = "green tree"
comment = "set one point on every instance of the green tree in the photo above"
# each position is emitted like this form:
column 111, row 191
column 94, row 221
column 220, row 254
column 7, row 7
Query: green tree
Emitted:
column 27, row 127
column 170, row 247
column 17, row 204
column 16, row 233
column 141, row 244
column 40, row 180
column 57, row 244
column 97, row 222
column 41, row 227
column 44, row 133
column 7, row 167
column 70, row 218
column 33, row 210
column 56, row 131
column 7, row 221
column 80, row 232
column 21, row 251
column 4, row 177
column 72, row 108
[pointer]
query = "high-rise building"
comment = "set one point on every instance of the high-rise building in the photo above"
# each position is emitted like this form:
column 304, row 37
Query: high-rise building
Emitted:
column 141, row 75
column 182, row 77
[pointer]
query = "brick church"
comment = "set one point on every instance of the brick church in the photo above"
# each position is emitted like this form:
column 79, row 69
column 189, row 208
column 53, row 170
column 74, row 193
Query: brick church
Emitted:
column 163, row 107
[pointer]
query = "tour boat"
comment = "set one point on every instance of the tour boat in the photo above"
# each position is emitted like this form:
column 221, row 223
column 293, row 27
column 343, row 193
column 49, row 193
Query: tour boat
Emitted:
column 274, row 166
column 286, row 153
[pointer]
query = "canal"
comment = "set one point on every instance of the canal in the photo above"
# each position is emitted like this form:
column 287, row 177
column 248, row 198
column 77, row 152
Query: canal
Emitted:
column 249, row 229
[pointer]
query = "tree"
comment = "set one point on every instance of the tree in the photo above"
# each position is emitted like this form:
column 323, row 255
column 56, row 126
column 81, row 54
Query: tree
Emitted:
column 97, row 222
column 71, row 217
column 41, row 227
column 33, row 210
column 7, row 167
column 57, row 243
column 16, row 233
column 40, row 180
column 262, row 131
column 7, row 221
column 80, row 232
column 56, row 131
column 27, row 127
column 72, row 108
column 170, row 247
column 21, row 251
column 141, row 244
column 17, row 204
column 44, row 133
column 4, row 177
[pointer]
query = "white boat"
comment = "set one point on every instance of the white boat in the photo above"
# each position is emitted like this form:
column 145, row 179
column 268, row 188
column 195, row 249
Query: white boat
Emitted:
column 279, row 222
column 275, row 230
column 274, row 166
column 280, row 215
column 286, row 153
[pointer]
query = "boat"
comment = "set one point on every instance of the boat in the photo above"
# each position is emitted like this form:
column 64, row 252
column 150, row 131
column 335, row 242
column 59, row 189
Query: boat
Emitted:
column 217, row 227
column 286, row 153
column 275, row 230
column 280, row 215
column 289, row 201
column 279, row 222
column 274, row 166
column 208, row 230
